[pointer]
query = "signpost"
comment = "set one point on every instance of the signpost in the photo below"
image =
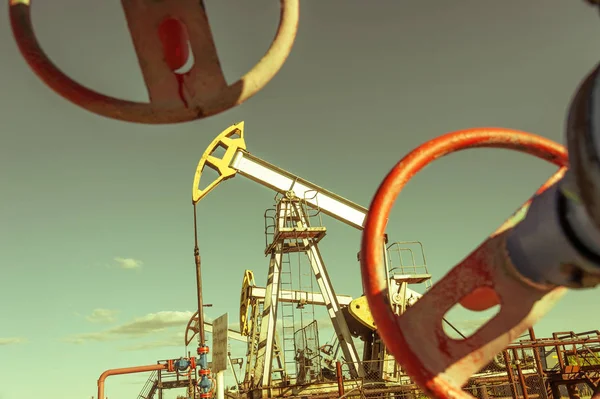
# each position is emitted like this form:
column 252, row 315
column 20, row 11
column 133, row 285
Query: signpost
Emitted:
column 220, row 349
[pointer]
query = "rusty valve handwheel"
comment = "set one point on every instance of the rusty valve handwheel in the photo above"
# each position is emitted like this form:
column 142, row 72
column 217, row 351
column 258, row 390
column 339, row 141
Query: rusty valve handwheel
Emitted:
column 159, row 30
column 436, row 362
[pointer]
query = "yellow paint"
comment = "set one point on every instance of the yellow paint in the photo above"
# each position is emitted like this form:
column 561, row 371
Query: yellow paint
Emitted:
column 359, row 309
column 246, row 301
column 220, row 165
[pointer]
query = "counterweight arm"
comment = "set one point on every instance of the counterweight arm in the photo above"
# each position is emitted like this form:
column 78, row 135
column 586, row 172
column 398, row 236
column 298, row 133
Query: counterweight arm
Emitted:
column 238, row 160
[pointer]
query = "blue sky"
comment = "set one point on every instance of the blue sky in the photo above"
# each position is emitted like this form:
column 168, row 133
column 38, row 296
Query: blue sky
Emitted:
column 96, row 217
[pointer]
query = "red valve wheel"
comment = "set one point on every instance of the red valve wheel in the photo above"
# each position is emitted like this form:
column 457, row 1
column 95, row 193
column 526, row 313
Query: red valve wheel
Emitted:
column 162, row 33
column 436, row 362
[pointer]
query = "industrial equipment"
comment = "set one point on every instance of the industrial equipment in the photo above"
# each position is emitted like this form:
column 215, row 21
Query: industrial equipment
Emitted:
column 553, row 242
column 284, row 356
column 290, row 228
column 177, row 57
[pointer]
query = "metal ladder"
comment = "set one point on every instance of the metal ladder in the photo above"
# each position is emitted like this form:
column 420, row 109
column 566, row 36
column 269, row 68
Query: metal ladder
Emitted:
column 306, row 282
column 287, row 319
column 150, row 386
column 307, row 317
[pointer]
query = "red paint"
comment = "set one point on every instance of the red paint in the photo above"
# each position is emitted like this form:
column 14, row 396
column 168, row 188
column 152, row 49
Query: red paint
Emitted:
column 216, row 95
column 126, row 370
column 484, row 298
column 481, row 299
column 433, row 373
column 181, row 89
column 174, row 38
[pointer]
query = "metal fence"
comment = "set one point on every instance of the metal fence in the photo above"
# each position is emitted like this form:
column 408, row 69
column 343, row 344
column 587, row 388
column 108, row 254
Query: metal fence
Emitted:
column 308, row 356
column 385, row 379
column 549, row 368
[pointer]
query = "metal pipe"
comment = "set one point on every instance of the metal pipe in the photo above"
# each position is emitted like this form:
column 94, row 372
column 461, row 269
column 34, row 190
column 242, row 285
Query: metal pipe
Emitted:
column 491, row 380
column 540, row 248
column 197, row 260
column 558, row 242
column 553, row 342
column 559, row 354
column 160, row 390
column 205, row 382
column 125, row 370
column 340, row 378
column 220, row 385
column 402, row 389
column 201, row 333
column 536, row 355
column 509, row 374
column 583, row 133
column 520, row 374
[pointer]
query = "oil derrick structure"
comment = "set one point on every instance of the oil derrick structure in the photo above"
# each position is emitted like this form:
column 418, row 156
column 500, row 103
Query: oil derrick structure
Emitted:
column 291, row 232
column 406, row 267
column 251, row 307
column 251, row 310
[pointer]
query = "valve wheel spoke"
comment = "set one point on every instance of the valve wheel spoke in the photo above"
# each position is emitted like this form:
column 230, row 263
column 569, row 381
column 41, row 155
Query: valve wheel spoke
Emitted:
column 438, row 363
column 160, row 32
column 179, row 22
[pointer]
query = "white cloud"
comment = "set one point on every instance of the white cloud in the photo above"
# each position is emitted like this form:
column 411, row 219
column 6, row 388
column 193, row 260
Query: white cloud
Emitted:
column 12, row 341
column 174, row 340
column 139, row 327
column 154, row 330
column 128, row 263
column 102, row 316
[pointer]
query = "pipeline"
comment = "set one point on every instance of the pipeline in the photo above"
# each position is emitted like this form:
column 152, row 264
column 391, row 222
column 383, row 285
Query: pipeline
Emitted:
column 181, row 366
column 126, row 370
column 206, row 384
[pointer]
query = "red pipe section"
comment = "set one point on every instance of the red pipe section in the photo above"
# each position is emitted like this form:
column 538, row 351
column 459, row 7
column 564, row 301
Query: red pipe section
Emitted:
column 125, row 370
column 439, row 370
